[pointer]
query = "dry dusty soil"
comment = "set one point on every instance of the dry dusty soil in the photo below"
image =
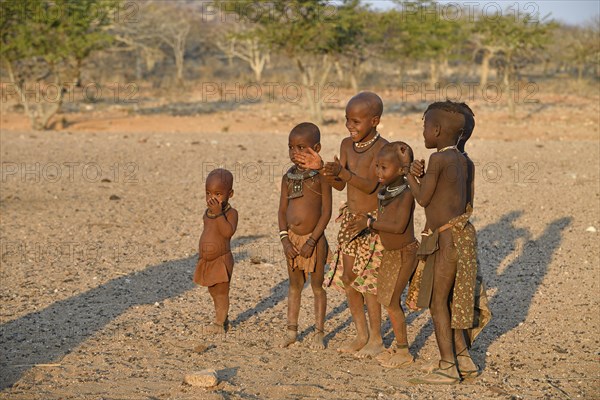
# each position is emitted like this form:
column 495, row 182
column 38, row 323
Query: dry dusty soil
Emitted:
column 99, row 230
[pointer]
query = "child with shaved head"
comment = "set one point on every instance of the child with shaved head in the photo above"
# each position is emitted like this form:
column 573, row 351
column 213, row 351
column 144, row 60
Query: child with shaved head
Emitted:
column 356, row 261
column 215, row 263
column 447, row 282
column 395, row 226
column 304, row 212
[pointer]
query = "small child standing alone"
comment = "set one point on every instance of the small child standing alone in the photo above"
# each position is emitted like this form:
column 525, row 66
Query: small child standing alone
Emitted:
column 215, row 264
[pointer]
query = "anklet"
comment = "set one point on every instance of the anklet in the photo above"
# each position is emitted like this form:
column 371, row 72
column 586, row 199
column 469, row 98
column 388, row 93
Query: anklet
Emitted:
column 292, row 328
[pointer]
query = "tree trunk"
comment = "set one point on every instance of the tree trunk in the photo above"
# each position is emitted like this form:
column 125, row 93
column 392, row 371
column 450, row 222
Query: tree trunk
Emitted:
column 39, row 116
column 179, row 65
column 48, row 113
column 177, row 43
column 508, row 87
column 443, row 67
column 138, row 67
column 313, row 86
column 326, row 66
column 485, row 68
column 339, row 71
column 258, row 60
column 433, row 71
column 257, row 74
column 580, row 67
column 78, row 72
column 401, row 68
column 354, row 82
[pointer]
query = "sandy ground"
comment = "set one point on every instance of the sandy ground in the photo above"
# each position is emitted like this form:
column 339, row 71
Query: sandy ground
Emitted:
column 97, row 299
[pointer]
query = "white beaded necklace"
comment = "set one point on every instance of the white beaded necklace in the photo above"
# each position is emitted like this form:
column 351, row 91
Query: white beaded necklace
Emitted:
column 362, row 145
column 447, row 148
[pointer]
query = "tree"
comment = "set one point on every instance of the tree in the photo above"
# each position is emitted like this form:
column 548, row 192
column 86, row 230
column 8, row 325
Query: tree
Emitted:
column 388, row 36
column 583, row 47
column 43, row 46
column 513, row 38
column 159, row 24
column 427, row 35
column 238, row 40
column 355, row 40
column 310, row 33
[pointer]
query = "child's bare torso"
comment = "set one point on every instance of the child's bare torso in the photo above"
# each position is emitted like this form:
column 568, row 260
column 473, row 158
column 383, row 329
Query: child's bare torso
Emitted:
column 391, row 212
column 303, row 213
column 449, row 199
column 212, row 243
column 362, row 165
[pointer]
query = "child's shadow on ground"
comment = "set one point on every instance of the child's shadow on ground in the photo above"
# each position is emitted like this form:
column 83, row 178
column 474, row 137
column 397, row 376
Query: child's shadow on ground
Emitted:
column 516, row 284
column 49, row 334
column 278, row 294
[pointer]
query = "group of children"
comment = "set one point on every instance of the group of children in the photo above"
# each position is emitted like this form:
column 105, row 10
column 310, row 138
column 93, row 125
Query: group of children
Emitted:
column 377, row 254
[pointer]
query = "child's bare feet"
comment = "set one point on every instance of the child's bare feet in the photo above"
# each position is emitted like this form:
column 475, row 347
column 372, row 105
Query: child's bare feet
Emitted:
column 351, row 346
column 317, row 340
column 291, row 334
column 401, row 357
column 215, row 328
column 385, row 355
column 371, row 349
column 389, row 352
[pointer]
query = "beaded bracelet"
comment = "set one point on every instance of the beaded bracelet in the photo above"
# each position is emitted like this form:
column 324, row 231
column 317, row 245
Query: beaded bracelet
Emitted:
column 370, row 222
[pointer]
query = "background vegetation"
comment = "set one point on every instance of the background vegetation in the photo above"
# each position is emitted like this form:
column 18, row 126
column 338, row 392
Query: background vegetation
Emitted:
column 53, row 49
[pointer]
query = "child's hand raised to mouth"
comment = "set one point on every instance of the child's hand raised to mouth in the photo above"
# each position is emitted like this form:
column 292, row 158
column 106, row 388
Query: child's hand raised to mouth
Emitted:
column 214, row 205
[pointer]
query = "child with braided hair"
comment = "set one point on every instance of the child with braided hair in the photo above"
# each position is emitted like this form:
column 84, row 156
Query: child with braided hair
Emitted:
column 448, row 282
column 466, row 134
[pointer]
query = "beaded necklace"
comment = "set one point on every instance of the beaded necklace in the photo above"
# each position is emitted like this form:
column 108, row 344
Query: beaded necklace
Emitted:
column 388, row 193
column 365, row 145
column 296, row 181
column 447, row 148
